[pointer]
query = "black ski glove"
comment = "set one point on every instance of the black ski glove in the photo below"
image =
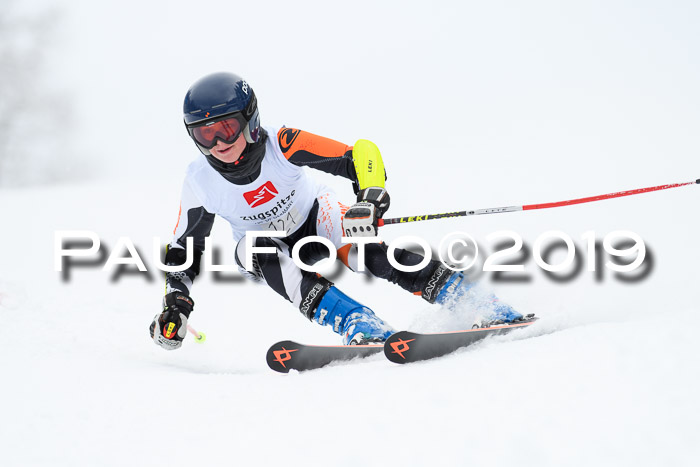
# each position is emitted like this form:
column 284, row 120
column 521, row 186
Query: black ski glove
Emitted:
column 362, row 219
column 169, row 328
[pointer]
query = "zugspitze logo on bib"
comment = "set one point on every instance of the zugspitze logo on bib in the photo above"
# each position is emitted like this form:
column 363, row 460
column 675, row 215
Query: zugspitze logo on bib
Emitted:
column 261, row 195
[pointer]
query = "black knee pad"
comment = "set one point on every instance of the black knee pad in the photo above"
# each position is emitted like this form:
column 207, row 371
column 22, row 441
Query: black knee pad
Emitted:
column 378, row 264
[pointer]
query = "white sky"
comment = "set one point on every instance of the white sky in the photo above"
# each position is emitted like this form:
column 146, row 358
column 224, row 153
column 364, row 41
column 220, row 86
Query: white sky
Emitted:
column 504, row 87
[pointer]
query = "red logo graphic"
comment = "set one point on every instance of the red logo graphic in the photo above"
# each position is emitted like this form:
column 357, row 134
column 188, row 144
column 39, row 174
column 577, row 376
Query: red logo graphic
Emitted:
column 401, row 346
column 283, row 355
column 261, row 195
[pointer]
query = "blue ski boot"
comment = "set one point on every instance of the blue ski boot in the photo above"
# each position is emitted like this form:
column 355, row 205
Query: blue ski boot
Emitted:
column 502, row 313
column 355, row 322
column 453, row 290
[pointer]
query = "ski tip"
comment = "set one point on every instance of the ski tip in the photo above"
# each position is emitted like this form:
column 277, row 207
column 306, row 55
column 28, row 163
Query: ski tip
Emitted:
column 407, row 347
column 397, row 344
column 279, row 355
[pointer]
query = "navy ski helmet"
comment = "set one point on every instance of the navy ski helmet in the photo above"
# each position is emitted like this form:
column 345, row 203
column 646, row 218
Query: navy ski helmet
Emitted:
column 221, row 106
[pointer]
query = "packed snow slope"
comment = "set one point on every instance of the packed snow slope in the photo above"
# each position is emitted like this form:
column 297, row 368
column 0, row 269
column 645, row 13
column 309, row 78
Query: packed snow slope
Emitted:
column 609, row 376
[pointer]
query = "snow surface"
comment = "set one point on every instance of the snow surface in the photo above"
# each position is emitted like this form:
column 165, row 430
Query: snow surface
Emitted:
column 538, row 103
column 609, row 376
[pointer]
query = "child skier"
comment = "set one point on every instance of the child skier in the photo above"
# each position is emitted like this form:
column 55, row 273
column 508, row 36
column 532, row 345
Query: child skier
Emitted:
column 252, row 176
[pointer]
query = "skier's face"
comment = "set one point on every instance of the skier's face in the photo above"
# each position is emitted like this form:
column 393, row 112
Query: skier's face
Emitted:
column 229, row 152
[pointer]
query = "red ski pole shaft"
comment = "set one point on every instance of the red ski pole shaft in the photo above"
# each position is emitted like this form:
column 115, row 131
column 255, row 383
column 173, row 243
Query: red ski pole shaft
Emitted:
column 530, row 207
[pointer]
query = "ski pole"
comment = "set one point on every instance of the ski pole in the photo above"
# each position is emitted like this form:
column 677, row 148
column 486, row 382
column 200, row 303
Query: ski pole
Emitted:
column 199, row 337
column 529, row 207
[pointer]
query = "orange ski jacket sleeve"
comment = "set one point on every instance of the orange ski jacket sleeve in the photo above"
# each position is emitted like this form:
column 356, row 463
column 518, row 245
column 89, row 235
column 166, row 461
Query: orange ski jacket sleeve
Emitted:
column 362, row 163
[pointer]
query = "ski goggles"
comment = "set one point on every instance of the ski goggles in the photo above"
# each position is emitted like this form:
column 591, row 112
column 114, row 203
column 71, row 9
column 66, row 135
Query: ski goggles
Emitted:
column 228, row 129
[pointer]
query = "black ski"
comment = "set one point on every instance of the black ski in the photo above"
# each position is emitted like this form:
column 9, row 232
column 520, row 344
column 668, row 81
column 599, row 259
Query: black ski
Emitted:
column 290, row 355
column 406, row 346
